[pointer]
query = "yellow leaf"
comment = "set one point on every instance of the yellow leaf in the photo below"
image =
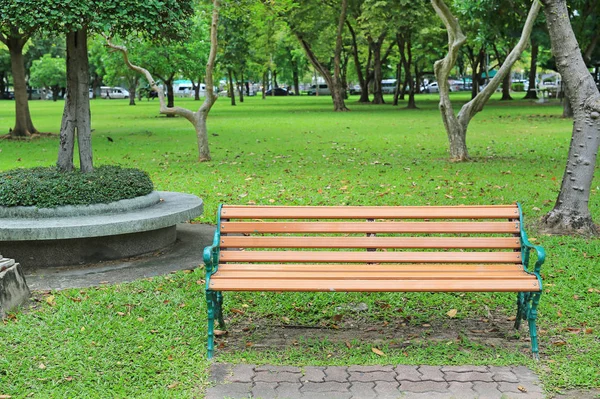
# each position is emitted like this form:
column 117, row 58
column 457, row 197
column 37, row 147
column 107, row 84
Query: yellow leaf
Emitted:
column 42, row 366
column 50, row 300
column 377, row 352
column 173, row 385
column 5, row 396
column 121, row 313
column 522, row 388
column 82, row 329
column 452, row 313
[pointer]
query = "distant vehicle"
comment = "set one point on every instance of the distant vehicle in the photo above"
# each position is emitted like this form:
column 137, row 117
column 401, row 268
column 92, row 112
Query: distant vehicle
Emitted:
column 278, row 92
column 388, row 86
column 8, row 95
column 113, row 92
column 356, row 89
column 322, row 90
column 35, row 94
column 432, row 88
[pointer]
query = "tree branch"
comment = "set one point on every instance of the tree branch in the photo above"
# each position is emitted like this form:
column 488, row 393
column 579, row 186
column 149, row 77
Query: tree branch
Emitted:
column 189, row 115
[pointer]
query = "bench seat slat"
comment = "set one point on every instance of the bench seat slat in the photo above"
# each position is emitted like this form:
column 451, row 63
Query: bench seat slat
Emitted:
column 370, row 212
column 371, row 227
column 366, row 257
column 369, row 275
column 371, row 242
column 423, row 267
column 438, row 285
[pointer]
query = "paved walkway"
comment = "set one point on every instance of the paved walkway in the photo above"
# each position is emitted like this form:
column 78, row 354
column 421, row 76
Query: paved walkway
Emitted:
column 373, row 382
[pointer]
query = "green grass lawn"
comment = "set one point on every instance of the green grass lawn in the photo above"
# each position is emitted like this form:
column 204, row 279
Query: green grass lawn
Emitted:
column 147, row 339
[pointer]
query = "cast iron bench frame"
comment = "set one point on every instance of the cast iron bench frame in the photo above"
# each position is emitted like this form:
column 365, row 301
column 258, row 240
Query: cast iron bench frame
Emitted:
column 450, row 249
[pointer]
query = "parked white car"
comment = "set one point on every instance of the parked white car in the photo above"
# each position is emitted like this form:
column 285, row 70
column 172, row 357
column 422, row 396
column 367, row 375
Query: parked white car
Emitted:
column 113, row 92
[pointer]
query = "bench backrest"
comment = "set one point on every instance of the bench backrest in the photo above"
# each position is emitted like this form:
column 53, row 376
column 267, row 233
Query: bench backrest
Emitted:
column 411, row 234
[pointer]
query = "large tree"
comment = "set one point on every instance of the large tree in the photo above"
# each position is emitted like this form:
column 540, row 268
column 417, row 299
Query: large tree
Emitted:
column 77, row 18
column 456, row 125
column 16, row 28
column 571, row 211
column 198, row 118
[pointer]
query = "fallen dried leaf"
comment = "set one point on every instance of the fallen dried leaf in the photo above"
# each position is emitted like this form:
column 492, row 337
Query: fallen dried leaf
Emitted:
column 522, row 388
column 42, row 366
column 452, row 313
column 589, row 331
column 68, row 378
column 50, row 300
column 512, row 318
column 219, row 333
column 559, row 343
column 234, row 310
column 337, row 318
column 574, row 330
column 173, row 385
column 348, row 345
column 377, row 352
column 5, row 396
column 121, row 313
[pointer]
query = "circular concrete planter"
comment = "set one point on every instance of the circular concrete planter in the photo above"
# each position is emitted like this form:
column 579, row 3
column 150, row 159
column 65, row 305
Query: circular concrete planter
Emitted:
column 74, row 235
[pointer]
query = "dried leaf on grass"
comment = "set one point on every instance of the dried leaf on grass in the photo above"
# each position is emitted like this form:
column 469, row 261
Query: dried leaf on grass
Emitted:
column 452, row 313
column 220, row 333
column 377, row 352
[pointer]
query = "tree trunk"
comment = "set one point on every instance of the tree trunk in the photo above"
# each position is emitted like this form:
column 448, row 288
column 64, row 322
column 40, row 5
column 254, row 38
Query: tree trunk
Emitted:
column 364, row 89
column 231, row 90
column 457, row 124
column 571, row 212
column 377, row 72
column 531, row 92
column 240, row 86
column 170, row 94
column 197, row 89
column 398, row 83
column 411, row 83
column 296, row 78
column 23, row 123
column 264, row 85
column 76, row 116
column 133, row 82
column 506, row 82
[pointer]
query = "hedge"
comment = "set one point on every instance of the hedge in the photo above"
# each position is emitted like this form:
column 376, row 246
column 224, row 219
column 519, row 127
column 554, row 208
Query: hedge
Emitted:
column 46, row 187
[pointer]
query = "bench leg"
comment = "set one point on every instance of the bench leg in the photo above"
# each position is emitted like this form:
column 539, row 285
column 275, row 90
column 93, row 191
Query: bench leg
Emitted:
column 531, row 317
column 220, row 310
column 211, row 304
column 522, row 308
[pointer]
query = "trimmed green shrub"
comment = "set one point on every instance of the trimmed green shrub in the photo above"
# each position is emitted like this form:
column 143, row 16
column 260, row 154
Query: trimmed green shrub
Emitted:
column 49, row 188
column 518, row 86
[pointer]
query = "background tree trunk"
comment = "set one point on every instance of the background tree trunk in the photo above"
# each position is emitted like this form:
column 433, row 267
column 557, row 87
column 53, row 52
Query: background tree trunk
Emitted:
column 571, row 211
column 76, row 116
column 531, row 92
column 231, row 90
column 506, row 82
column 377, row 72
column 23, row 123
column 133, row 83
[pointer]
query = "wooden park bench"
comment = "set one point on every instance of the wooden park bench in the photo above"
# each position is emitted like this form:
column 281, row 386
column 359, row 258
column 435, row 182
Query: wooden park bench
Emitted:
column 372, row 249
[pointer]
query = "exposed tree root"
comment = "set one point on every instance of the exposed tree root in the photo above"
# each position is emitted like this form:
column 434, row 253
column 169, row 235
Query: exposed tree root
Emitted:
column 562, row 223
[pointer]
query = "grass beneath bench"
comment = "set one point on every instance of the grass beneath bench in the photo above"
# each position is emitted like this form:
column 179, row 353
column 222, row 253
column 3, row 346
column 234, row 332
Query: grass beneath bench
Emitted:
column 147, row 339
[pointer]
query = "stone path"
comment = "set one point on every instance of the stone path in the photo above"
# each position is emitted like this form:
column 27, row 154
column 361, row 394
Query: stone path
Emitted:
column 376, row 382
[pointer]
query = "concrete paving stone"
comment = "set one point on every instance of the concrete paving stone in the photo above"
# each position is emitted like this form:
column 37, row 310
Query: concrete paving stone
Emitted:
column 241, row 373
column 525, row 373
column 471, row 376
column 464, row 369
column 503, row 374
column 234, row 390
column 328, row 395
column 314, row 374
column 282, row 376
column 363, row 390
column 510, row 387
column 407, row 373
column 427, row 395
column 330, row 386
column 289, row 390
column 424, row 386
column 525, row 395
column 372, row 376
column 487, row 390
column 461, row 390
column 431, row 373
column 278, row 369
column 264, row 390
column 336, row 373
column 371, row 369
column 387, row 390
column 219, row 372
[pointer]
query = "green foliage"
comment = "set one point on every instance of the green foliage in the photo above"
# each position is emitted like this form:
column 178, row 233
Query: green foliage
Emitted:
column 518, row 86
column 48, row 71
column 49, row 188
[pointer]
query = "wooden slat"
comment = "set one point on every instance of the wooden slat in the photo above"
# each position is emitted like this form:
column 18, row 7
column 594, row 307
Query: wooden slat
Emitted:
column 363, row 257
column 371, row 242
column 370, row 212
column 372, row 227
column 421, row 267
column 370, row 275
column 441, row 285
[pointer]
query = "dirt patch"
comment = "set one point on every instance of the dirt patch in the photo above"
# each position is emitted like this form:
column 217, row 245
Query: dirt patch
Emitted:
column 269, row 334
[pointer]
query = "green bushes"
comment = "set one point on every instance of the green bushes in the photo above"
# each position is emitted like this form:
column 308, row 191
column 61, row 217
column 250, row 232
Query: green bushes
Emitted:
column 518, row 86
column 49, row 188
